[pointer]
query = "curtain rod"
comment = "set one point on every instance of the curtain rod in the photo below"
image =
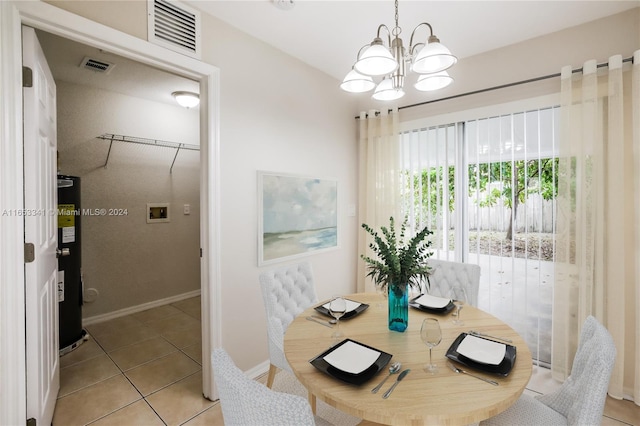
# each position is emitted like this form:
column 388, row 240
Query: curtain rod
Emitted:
column 502, row 86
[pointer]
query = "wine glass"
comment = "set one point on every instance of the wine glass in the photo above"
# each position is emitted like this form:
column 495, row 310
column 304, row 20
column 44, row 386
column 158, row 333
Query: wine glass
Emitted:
column 458, row 296
column 337, row 308
column 431, row 335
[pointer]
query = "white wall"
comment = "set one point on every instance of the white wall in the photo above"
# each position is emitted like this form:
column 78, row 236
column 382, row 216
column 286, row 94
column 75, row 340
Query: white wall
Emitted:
column 127, row 260
column 285, row 118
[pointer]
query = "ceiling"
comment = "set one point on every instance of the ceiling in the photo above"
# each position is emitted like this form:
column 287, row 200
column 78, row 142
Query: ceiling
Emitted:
column 125, row 77
column 327, row 34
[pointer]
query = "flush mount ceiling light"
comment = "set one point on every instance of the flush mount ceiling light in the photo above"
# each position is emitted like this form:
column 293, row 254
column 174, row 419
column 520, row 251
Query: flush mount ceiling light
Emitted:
column 186, row 99
column 284, row 4
column 429, row 59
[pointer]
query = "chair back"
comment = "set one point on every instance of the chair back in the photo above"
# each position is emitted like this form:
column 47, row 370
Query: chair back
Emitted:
column 446, row 274
column 582, row 396
column 286, row 291
column 246, row 402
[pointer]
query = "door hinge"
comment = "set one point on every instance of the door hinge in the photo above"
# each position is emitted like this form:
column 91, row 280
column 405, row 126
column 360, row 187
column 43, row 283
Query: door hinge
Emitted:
column 29, row 252
column 27, row 77
column 31, row 422
column 200, row 252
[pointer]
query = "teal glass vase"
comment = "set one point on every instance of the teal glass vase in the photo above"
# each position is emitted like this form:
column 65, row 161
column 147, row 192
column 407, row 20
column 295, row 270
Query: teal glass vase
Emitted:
column 398, row 307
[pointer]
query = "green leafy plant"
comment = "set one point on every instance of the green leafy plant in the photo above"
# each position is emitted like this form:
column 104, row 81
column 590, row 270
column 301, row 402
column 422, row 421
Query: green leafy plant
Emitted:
column 399, row 263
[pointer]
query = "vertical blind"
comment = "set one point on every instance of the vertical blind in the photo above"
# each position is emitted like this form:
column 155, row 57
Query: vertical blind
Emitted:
column 487, row 188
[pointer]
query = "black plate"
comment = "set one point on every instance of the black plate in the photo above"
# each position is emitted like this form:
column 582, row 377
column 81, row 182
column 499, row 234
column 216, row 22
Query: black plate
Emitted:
column 356, row 379
column 502, row 369
column 444, row 310
column 350, row 314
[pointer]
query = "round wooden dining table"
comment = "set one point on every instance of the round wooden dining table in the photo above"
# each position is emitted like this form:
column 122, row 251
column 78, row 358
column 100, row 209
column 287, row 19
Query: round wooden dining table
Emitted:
column 446, row 398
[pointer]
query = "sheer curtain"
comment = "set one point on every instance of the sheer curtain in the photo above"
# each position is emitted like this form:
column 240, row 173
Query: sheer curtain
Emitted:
column 379, row 178
column 598, row 217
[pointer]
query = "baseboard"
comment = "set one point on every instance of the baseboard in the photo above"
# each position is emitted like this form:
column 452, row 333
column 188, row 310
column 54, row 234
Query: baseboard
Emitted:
column 258, row 370
column 139, row 308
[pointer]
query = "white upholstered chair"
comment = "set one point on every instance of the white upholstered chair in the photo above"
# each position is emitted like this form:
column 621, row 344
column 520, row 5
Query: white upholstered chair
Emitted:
column 446, row 274
column 581, row 398
column 246, row 402
column 286, row 291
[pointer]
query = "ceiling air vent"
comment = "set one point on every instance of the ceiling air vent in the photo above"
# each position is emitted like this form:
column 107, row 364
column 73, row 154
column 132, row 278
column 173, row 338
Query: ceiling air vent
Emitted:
column 96, row 65
column 174, row 26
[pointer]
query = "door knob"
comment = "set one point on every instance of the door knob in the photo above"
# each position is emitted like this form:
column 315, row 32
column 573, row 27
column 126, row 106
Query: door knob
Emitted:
column 62, row 252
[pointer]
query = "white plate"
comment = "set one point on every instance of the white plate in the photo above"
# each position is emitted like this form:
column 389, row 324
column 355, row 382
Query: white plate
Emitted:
column 434, row 302
column 482, row 350
column 351, row 305
column 352, row 358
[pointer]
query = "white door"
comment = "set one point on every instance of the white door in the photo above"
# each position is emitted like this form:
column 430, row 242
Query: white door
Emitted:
column 40, row 201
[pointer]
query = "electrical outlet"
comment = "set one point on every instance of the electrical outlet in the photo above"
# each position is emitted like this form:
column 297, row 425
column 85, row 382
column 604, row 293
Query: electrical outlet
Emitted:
column 187, row 209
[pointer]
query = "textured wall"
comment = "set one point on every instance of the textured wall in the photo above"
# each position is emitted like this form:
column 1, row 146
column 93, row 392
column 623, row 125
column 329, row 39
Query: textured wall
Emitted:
column 127, row 260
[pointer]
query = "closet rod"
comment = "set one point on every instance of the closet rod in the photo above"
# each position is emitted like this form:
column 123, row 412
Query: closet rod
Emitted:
column 144, row 141
column 502, row 86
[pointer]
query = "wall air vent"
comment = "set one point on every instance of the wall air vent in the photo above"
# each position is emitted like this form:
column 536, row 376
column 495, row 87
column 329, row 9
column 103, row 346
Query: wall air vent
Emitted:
column 96, row 65
column 174, row 26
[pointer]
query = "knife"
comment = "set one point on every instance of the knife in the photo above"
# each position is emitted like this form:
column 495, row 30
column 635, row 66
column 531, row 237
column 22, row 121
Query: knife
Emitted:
column 477, row 333
column 400, row 377
column 319, row 321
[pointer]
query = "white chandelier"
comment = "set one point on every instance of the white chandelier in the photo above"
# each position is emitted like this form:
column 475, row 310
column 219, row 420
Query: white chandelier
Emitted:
column 430, row 60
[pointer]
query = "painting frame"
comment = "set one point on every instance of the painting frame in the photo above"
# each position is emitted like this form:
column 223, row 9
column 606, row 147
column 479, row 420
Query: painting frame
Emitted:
column 297, row 216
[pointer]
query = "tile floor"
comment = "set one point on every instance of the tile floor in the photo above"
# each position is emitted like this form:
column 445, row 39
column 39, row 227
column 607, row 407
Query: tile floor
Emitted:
column 141, row 369
column 146, row 369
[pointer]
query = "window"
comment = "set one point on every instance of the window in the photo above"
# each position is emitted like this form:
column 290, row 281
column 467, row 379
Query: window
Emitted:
column 486, row 187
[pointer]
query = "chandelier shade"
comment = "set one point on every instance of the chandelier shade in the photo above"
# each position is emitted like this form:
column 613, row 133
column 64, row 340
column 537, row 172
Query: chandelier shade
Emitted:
column 387, row 91
column 355, row 82
column 391, row 60
column 429, row 82
column 376, row 60
column 432, row 58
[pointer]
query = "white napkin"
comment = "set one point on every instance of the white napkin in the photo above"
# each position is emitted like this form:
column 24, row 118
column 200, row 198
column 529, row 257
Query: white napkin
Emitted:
column 429, row 301
column 352, row 358
column 351, row 305
column 482, row 350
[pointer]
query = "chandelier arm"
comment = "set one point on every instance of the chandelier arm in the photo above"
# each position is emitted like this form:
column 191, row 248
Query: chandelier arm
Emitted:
column 411, row 46
column 388, row 33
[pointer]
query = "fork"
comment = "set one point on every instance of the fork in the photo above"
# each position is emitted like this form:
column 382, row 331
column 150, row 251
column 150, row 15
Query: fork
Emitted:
column 459, row 370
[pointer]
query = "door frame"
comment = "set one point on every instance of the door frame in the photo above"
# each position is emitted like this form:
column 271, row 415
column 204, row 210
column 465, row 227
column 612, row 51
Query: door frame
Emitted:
column 13, row 14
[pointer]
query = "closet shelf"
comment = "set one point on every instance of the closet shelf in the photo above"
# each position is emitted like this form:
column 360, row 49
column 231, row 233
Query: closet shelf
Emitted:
column 144, row 141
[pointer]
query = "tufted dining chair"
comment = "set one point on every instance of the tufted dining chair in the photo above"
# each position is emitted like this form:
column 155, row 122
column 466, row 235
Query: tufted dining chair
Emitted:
column 286, row 291
column 581, row 398
column 446, row 274
column 246, row 402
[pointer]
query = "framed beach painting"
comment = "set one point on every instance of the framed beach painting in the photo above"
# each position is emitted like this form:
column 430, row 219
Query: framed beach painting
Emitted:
column 297, row 216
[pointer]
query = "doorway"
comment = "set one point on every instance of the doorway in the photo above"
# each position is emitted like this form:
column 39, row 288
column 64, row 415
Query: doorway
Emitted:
column 129, row 263
column 150, row 156
column 44, row 16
